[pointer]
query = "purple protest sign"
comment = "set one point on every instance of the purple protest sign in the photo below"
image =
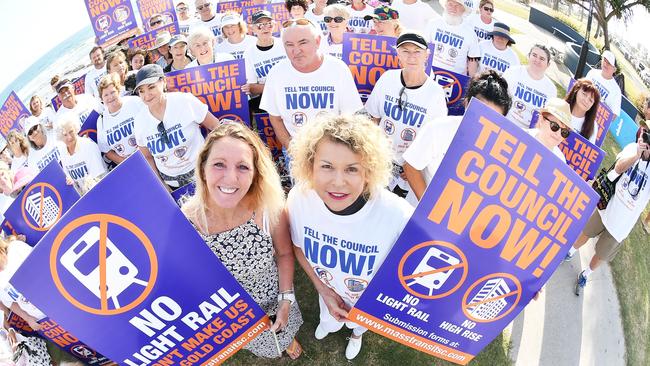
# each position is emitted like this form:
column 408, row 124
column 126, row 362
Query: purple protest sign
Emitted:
column 79, row 85
column 11, row 113
column 278, row 11
column 455, row 87
column 493, row 225
column 112, row 266
column 149, row 8
column 147, row 40
column 604, row 118
column 89, row 127
column 217, row 85
column 267, row 134
column 111, row 20
column 581, row 155
column 186, row 190
column 55, row 333
column 368, row 56
column 41, row 203
column 236, row 6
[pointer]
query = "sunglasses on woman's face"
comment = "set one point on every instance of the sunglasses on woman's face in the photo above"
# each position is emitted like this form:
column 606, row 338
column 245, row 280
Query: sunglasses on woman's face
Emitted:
column 556, row 126
column 488, row 9
column 335, row 19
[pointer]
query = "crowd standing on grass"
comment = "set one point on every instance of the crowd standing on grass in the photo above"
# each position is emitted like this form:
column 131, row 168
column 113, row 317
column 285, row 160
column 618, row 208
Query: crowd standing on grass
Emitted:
column 355, row 170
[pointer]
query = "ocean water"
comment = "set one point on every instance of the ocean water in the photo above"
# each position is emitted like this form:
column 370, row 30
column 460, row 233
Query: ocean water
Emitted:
column 62, row 59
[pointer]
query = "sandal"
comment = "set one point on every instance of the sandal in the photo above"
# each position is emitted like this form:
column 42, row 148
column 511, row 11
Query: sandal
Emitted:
column 294, row 350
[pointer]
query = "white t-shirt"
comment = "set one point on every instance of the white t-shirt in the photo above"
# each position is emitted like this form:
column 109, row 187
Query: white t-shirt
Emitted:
column 472, row 4
column 631, row 197
column 18, row 162
column 317, row 19
column 18, row 251
column 85, row 163
column 185, row 25
column 555, row 150
column 610, row 92
column 115, row 131
column 92, row 80
column 259, row 63
column 85, row 105
column 47, row 119
column 356, row 22
column 414, row 16
column 217, row 57
column 183, row 115
column 481, row 29
column 213, row 24
column 236, row 49
column 452, row 45
column 494, row 59
column 356, row 245
column 38, row 159
column 576, row 124
column 528, row 95
column 332, row 49
column 299, row 97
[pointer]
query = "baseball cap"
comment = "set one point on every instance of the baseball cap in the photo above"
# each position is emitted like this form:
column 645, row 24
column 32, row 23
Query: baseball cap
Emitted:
column 609, row 56
column 30, row 122
column 383, row 13
column 176, row 39
column 412, row 37
column 259, row 15
column 230, row 19
column 148, row 74
column 65, row 83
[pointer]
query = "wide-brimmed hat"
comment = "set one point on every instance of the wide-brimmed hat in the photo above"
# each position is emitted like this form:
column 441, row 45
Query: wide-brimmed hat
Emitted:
column 560, row 109
column 148, row 74
column 383, row 13
column 502, row 30
column 162, row 38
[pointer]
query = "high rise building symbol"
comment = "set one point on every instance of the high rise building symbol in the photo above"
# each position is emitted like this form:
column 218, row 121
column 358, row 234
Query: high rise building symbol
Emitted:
column 489, row 309
column 42, row 209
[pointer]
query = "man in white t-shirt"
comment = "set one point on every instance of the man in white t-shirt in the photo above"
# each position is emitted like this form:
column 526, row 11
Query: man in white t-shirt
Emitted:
column 79, row 105
column 208, row 18
column 615, row 222
column 610, row 92
column 184, row 18
column 99, row 69
column 306, row 84
column 455, row 46
column 316, row 13
column 414, row 14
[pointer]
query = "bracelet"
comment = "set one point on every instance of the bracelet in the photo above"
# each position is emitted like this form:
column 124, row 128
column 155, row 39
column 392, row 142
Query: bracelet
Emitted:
column 287, row 296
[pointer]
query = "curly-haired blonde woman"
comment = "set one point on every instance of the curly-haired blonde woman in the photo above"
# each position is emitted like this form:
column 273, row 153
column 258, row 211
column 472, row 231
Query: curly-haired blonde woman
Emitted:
column 343, row 221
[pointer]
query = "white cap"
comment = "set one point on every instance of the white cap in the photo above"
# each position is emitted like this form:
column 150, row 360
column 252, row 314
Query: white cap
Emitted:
column 30, row 122
column 609, row 56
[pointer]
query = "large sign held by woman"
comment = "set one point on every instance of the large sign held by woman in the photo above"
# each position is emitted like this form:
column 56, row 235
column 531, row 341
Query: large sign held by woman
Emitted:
column 498, row 218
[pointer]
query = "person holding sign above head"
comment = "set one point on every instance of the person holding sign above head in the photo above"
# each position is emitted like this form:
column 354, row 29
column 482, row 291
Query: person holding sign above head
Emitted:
column 455, row 44
column 483, row 22
column 358, row 10
column 336, row 17
column 235, row 37
column 115, row 133
column 178, row 50
column 42, row 149
column 553, row 125
column 339, row 209
column 167, row 128
column 237, row 209
column 496, row 53
column 45, row 115
column 584, row 100
column 424, row 155
column 80, row 158
column 208, row 18
column 610, row 92
column 414, row 14
column 201, row 42
column 385, row 21
column 529, row 86
column 307, row 84
column 78, row 105
column 296, row 8
column 405, row 100
column 613, row 223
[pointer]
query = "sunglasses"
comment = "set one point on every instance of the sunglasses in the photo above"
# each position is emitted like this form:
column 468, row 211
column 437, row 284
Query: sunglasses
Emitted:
column 488, row 9
column 264, row 25
column 293, row 22
column 402, row 94
column 182, row 9
column 335, row 19
column 556, row 126
column 163, row 133
column 156, row 22
column 32, row 131
column 201, row 7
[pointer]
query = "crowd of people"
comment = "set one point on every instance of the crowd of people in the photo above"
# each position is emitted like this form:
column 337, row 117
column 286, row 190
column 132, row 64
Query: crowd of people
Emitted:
column 356, row 170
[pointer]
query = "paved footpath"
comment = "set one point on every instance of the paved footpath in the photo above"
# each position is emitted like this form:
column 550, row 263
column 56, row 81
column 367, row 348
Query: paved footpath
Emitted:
column 560, row 328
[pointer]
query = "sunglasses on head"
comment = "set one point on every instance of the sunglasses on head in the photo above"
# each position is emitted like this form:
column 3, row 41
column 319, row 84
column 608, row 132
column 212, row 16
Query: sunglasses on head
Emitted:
column 293, row 22
column 201, row 7
column 556, row 126
column 488, row 9
column 338, row 19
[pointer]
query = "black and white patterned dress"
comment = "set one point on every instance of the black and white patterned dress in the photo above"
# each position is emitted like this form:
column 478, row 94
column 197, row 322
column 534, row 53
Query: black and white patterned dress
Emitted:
column 247, row 252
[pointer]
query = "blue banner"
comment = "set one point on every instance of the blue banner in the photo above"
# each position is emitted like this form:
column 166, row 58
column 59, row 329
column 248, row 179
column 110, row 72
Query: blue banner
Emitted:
column 236, row 6
column 40, row 204
column 455, row 87
column 217, row 85
column 148, row 40
column 89, row 127
column 11, row 113
column 184, row 191
column 267, row 134
column 624, row 130
column 55, row 333
column 111, row 19
column 111, row 273
column 493, row 225
column 149, row 8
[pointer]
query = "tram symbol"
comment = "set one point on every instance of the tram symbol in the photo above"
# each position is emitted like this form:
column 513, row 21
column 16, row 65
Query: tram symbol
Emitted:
column 42, row 209
column 434, row 259
column 486, row 310
column 82, row 261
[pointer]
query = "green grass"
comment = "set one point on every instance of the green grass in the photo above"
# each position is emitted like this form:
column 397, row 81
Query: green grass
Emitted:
column 631, row 272
column 513, row 8
column 376, row 349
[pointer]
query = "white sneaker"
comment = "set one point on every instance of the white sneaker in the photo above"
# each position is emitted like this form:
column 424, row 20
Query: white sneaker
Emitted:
column 353, row 348
column 320, row 333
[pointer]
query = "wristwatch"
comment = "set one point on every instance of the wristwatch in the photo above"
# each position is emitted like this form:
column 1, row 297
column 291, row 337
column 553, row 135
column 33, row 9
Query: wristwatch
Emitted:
column 287, row 296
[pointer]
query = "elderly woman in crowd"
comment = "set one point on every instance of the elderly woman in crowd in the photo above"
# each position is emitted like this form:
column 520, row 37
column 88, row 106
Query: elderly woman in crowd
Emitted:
column 237, row 209
column 235, row 37
column 201, row 43
column 81, row 159
column 43, row 149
